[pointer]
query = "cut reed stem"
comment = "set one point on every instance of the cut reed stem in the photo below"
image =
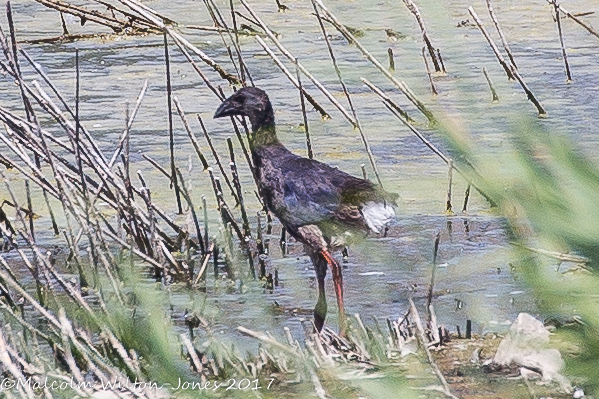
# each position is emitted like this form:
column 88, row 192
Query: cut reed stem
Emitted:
column 490, row 83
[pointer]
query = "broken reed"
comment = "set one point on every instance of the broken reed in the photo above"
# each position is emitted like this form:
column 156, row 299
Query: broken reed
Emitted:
column 504, row 42
column 391, row 60
column 217, row 159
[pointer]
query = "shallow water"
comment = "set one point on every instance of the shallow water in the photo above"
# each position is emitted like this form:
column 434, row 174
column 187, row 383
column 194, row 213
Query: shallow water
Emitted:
column 474, row 279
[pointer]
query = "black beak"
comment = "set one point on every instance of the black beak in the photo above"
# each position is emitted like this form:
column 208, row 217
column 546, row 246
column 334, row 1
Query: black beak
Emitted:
column 229, row 108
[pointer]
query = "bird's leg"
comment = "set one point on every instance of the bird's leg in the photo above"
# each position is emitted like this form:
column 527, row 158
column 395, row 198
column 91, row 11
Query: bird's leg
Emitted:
column 338, row 283
column 312, row 237
column 320, row 311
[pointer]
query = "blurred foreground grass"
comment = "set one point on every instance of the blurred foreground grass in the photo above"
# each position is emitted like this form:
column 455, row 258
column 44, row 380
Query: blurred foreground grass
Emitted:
column 549, row 193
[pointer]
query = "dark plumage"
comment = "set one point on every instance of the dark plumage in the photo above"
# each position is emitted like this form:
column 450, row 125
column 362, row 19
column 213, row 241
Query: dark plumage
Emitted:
column 314, row 201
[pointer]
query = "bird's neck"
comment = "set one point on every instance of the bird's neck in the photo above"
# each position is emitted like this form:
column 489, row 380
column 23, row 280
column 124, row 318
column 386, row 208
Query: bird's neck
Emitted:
column 264, row 136
column 263, row 128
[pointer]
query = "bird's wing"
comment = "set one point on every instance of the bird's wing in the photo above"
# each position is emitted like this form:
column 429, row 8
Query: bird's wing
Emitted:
column 309, row 197
column 315, row 192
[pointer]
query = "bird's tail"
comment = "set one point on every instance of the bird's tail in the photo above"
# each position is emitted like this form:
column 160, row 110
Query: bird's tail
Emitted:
column 377, row 215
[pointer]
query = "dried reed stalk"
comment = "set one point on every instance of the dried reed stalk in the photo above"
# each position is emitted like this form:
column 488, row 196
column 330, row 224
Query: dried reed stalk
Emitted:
column 431, row 50
column 575, row 19
column 490, row 83
column 496, row 51
column 561, row 41
column 349, row 100
column 504, row 42
column 400, row 85
column 511, row 70
column 424, row 344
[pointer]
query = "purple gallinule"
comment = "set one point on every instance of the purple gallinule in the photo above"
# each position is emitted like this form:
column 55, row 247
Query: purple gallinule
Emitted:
column 317, row 204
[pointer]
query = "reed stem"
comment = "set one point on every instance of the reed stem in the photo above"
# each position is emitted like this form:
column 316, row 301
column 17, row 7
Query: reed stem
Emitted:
column 561, row 41
column 504, row 42
column 500, row 58
column 448, row 206
column 490, row 83
column 304, row 114
column 428, row 72
column 349, row 100
column 170, row 126
column 217, row 159
column 466, row 197
column 431, row 50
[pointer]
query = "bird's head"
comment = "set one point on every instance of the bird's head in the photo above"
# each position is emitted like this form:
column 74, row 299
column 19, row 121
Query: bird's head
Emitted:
column 251, row 102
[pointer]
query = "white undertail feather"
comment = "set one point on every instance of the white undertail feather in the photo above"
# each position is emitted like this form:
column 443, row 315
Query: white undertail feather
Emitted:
column 377, row 215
